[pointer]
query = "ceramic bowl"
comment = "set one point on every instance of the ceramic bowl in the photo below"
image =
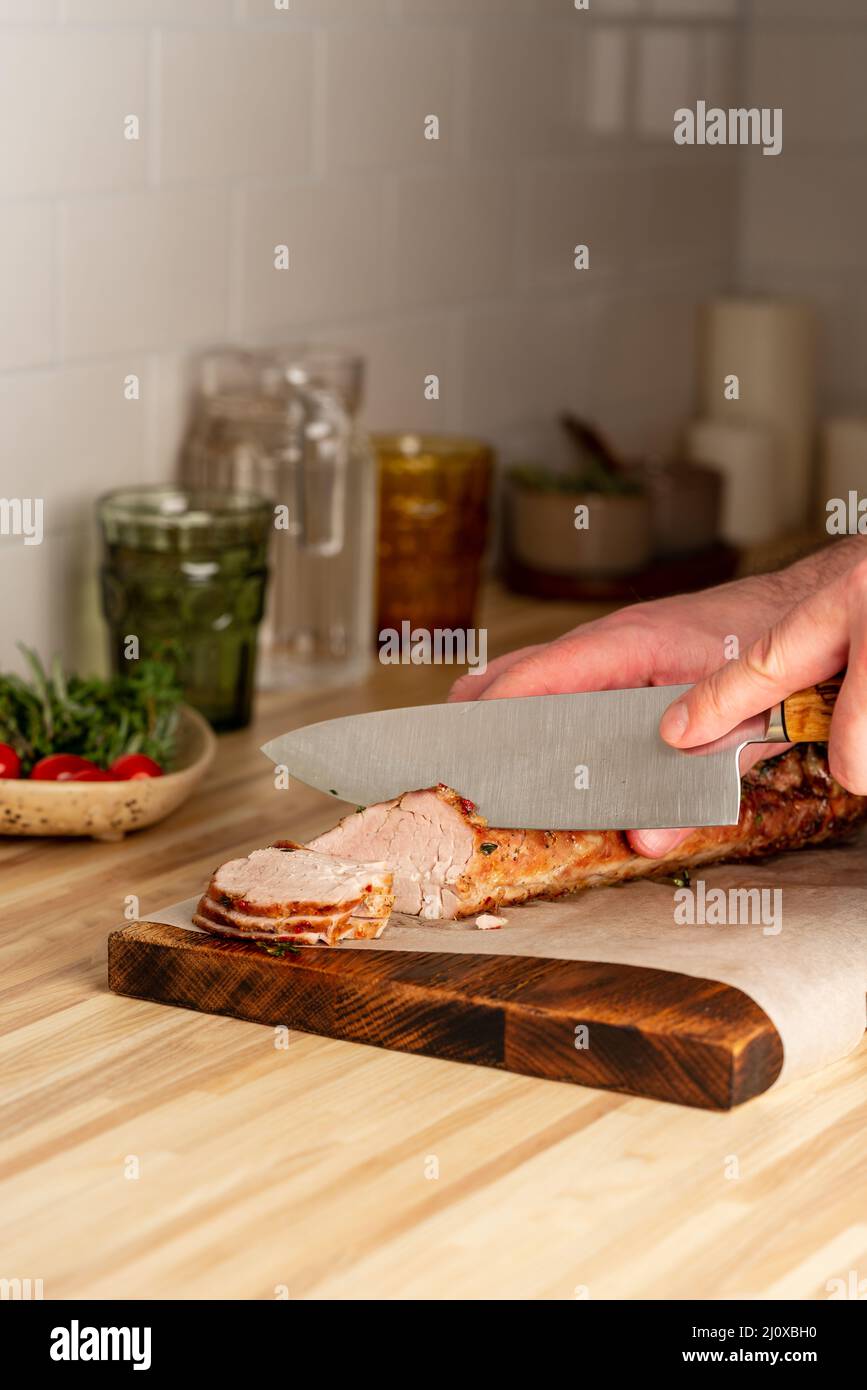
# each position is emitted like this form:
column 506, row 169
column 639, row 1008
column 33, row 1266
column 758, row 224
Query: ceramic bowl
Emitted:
column 107, row 810
column 542, row 535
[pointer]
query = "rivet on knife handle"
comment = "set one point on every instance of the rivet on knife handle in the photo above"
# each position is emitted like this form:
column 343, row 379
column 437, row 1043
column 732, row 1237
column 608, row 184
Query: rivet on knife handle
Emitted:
column 806, row 715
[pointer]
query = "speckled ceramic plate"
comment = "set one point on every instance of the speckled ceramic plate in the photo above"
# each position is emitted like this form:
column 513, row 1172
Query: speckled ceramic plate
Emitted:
column 107, row 810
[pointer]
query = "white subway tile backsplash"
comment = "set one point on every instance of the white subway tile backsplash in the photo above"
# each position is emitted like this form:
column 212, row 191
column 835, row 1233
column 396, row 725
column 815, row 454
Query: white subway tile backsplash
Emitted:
column 144, row 270
column 48, row 582
column 71, row 434
column 788, row 10
column 645, row 428
column 481, row 9
column 454, row 238
column 641, row 373
column 841, row 318
column 399, row 357
column 381, row 86
column 604, row 8
column 566, row 205
column 683, row 209
column 666, row 79
column 29, row 11
column 642, row 343
column 27, row 232
column 452, row 258
column 803, row 214
column 817, row 78
column 694, row 9
column 234, row 103
column 606, row 94
column 598, row 9
column 717, row 80
column 168, row 402
column 519, row 99
column 318, row 11
column 333, row 234
column 523, row 362
column 64, row 97
column 800, row 204
column 147, row 11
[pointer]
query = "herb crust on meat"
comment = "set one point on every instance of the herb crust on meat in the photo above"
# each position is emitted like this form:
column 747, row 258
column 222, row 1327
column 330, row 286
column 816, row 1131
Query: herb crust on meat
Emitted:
column 449, row 863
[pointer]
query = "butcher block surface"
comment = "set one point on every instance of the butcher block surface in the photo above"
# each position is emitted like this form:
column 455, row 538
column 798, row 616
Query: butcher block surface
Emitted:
column 625, row 1028
column 300, row 1164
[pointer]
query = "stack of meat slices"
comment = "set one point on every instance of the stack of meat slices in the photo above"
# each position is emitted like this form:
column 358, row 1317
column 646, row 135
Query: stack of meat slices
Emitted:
column 289, row 893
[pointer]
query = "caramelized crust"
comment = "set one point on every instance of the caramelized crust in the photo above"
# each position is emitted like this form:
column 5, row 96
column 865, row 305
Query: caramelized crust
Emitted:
column 448, row 862
column 786, row 803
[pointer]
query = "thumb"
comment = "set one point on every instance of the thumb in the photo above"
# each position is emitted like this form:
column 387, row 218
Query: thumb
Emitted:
column 809, row 644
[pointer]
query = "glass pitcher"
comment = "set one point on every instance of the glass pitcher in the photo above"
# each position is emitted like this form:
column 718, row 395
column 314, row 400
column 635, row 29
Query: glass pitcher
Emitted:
column 279, row 423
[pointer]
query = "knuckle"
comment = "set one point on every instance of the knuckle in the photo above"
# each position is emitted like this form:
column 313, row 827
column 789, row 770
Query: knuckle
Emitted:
column 461, row 688
column 713, row 694
column 533, row 671
column 516, row 680
column 764, row 661
column 637, row 615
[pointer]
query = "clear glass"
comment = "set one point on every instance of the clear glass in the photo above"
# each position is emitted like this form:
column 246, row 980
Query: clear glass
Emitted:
column 335, row 370
column 263, row 421
column 185, row 573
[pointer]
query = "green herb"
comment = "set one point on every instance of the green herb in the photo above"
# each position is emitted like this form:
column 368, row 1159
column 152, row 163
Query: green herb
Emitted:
column 594, row 466
column 98, row 719
column 540, row 478
column 279, row 948
column 758, row 818
column 360, row 808
column 679, row 879
column 488, row 847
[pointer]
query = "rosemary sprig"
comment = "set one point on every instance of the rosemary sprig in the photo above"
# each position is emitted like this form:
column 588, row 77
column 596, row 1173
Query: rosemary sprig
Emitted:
column 54, row 712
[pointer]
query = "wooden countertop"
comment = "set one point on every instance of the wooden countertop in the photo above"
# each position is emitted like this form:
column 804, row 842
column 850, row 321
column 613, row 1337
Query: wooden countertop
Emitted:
column 307, row 1172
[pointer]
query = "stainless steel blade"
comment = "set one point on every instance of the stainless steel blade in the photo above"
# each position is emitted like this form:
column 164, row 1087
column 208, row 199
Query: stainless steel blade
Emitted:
column 554, row 762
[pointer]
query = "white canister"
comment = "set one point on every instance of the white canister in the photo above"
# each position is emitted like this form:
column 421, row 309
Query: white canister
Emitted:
column 746, row 456
column 844, row 459
column 769, row 346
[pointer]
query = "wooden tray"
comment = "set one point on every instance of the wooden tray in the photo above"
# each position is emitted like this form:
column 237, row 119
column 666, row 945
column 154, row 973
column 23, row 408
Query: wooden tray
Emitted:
column 651, row 1032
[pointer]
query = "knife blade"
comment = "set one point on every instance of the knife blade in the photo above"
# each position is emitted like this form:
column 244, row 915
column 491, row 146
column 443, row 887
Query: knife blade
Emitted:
column 591, row 761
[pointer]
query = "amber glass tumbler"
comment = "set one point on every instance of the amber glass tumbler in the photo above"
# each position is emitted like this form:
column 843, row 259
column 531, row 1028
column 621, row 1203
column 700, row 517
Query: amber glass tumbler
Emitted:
column 433, row 525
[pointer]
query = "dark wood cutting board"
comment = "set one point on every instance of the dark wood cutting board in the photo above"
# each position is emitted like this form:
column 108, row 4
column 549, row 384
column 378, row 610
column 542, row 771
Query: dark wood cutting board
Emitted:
column 652, row 1033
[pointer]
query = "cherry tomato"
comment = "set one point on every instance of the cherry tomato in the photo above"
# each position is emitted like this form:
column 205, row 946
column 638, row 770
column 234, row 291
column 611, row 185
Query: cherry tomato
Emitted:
column 10, row 763
column 90, row 774
column 131, row 767
column 59, row 767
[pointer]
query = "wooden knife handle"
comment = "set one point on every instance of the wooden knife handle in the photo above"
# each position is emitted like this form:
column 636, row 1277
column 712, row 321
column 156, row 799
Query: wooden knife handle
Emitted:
column 807, row 713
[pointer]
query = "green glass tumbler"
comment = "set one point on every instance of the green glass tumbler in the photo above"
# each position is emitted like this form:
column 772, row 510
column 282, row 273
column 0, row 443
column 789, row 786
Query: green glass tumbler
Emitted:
column 184, row 574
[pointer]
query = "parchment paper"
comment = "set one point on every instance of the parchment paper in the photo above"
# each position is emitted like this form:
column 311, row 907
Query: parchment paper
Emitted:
column 810, row 977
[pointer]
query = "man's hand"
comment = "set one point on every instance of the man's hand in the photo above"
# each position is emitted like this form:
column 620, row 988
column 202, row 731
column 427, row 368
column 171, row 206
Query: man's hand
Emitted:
column 811, row 642
column 678, row 641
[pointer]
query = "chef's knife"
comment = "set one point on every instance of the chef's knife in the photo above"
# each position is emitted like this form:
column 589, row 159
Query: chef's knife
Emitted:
column 554, row 762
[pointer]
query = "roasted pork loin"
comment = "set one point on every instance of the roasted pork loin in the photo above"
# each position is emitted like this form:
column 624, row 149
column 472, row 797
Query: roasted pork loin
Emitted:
column 289, row 893
column 448, row 862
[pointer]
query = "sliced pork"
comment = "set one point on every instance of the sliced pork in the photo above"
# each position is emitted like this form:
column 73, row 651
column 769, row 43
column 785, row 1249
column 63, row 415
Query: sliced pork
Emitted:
column 289, row 893
column 448, row 862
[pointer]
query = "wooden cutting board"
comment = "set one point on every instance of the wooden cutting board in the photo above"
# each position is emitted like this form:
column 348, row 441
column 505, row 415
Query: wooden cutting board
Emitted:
column 654, row 1033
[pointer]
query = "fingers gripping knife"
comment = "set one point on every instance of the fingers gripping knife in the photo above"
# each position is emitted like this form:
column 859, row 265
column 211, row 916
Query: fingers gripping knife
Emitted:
column 554, row 762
